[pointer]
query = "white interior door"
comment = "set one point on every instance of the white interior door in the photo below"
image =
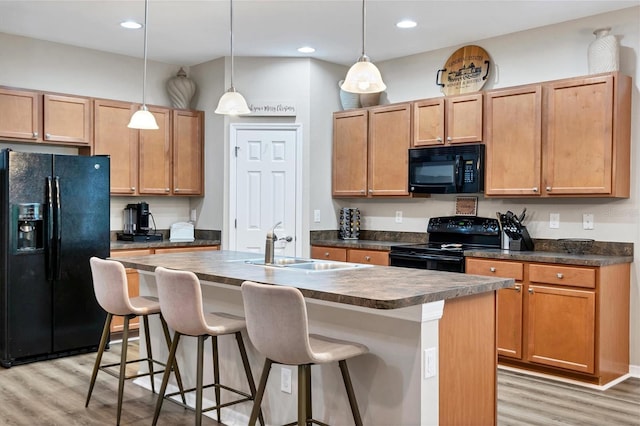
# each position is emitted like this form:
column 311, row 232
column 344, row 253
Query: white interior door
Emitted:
column 266, row 164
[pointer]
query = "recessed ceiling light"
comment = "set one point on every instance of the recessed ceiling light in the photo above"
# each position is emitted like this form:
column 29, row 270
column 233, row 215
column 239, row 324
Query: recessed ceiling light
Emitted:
column 132, row 25
column 306, row 49
column 407, row 23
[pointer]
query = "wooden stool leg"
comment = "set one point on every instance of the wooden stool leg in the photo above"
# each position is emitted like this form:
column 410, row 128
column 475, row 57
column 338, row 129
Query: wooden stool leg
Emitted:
column 199, row 372
column 216, row 374
column 174, row 364
column 101, row 346
column 147, row 341
column 352, row 397
column 247, row 371
column 261, row 387
column 123, row 366
column 165, row 378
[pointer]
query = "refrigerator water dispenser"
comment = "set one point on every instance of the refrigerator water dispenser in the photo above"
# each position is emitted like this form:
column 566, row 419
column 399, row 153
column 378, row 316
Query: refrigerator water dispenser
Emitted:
column 29, row 223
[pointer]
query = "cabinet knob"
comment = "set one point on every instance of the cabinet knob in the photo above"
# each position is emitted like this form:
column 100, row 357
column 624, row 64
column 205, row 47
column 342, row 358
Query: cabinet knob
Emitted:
column 176, row 190
column 560, row 275
column 326, row 254
column 167, row 190
column 35, row 135
column 439, row 139
column 449, row 139
column 367, row 258
column 362, row 191
column 371, row 191
column 535, row 189
column 530, row 291
column 492, row 269
column 47, row 135
column 518, row 288
column 548, row 188
column 133, row 189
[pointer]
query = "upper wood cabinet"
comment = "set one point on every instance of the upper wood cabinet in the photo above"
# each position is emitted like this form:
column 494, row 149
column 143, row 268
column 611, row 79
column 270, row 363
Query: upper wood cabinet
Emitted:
column 167, row 161
column 567, row 138
column 112, row 137
column 453, row 119
column 49, row 118
column 188, row 152
column 370, row 156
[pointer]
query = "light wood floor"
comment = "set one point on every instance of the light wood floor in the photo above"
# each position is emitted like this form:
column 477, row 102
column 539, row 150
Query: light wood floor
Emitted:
column 53, row 393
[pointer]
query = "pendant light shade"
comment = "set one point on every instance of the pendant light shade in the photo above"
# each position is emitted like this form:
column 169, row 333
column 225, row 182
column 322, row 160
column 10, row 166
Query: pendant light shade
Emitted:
column 143, row 119
column 232, row 102
column 363, row 76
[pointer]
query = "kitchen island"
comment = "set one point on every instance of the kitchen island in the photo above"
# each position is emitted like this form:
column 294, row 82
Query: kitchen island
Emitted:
column 431, row 337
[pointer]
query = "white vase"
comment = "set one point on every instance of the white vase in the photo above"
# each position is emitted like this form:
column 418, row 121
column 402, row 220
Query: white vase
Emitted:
column 603, row 53
column 347, row 99
column 181, row 89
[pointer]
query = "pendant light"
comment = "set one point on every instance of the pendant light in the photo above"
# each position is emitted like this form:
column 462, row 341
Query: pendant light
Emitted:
column 143, row 119
column 363, row 76
column 232, row 102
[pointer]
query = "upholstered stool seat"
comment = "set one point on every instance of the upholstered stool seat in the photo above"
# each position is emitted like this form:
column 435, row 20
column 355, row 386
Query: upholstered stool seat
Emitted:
column 181, row 305
column 110, row 287
column 277, row 325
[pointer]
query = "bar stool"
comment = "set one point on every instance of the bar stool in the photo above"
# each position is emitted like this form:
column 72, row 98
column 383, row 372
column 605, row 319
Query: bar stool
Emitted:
column 277, row 325
column 110, row 287
column 181, row 305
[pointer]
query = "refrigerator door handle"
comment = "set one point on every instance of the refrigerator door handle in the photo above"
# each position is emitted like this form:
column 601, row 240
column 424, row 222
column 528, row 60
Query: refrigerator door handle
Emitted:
column 50, row 254
column 58, row 228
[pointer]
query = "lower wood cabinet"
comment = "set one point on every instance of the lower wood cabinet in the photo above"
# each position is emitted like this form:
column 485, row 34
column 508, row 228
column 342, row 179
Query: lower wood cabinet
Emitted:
column 117, row 324
column 340, row 254
column 571, row 321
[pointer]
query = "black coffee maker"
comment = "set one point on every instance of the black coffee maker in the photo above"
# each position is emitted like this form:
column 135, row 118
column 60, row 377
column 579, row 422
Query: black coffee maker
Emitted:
column 136, row 224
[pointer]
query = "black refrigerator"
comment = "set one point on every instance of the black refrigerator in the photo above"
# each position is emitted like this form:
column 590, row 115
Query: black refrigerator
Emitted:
column 54, row 215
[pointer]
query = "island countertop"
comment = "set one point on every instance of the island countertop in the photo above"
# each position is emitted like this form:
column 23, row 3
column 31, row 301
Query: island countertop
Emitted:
column 377, row 287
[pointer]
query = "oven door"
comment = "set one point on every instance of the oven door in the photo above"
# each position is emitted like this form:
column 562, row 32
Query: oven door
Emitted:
column 427, row 261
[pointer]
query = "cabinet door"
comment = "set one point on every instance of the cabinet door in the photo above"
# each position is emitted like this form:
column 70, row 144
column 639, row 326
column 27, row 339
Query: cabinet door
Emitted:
column 513, row 140
column 349, row 164
column 19, row 114
column 188, row 152
column 509, row 302
column 389, row 141
column 67, row 119
column 372, row 257
column 428, row 122
column 154, row 167
column 579, row 136
column 464, row 118
column 329, row 253
column 561, row 327
column 112, row 137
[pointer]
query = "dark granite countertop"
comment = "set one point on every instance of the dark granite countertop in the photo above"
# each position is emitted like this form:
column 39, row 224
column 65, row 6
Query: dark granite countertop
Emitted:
column 129, row 245
column 378, row 287
column 551, row 257
column 359, row 244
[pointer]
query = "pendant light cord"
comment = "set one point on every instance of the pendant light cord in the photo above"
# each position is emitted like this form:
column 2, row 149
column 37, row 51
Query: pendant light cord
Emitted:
column 231, row 38
column 363, row 31
column 144, row 73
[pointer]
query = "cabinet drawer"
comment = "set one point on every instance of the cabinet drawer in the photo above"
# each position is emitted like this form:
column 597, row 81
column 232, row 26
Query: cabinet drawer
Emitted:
column 329, row 253
column 373, row 257
column 495, row 268
column 563, row 275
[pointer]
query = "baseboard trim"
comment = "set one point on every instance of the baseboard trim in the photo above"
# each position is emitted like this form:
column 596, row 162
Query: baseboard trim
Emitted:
column 568, row 381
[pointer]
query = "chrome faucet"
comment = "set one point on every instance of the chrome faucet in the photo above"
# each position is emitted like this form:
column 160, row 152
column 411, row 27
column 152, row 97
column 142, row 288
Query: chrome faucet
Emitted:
column 269, row 246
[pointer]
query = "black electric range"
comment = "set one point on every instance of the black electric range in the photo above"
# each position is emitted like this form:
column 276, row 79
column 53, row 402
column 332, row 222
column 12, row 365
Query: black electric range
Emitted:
column 449, row 237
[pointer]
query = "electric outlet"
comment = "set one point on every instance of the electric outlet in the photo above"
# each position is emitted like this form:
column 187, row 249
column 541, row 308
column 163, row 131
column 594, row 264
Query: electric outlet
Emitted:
column 193, row 216
column 554, row 220
column 399, row 216
column 430, row 366
column 316, row 216
column 285, row 380
column 587, row 221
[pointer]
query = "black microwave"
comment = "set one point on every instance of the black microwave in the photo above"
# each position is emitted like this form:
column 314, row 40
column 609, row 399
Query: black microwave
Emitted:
column 453, row 169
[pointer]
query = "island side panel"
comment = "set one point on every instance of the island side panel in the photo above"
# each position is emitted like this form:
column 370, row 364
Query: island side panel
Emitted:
column 468, row 361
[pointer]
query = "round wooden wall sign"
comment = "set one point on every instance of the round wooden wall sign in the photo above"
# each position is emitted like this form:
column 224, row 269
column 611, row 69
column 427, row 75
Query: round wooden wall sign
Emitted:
column 465, row 71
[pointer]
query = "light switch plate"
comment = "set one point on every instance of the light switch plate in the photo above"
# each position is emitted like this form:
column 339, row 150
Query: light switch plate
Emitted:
column 587, row 221
column 285, row 380
column 430, row 366
column 316, row 216
column 554, row 220
column 399, row 216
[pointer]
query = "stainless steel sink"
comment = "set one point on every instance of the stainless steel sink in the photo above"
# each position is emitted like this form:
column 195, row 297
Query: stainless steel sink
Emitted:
column 279, row 261
column 308, row 265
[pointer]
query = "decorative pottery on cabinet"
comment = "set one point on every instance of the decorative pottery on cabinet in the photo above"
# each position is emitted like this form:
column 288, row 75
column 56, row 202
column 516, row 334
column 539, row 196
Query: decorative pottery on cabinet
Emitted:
column 604, row 52
column 181, row 90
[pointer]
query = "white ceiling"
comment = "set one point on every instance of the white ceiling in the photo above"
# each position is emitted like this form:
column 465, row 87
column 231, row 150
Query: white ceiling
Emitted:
column 189, row 32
